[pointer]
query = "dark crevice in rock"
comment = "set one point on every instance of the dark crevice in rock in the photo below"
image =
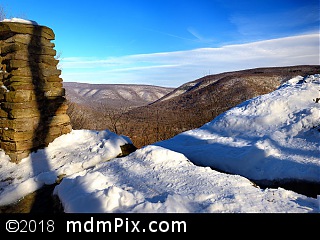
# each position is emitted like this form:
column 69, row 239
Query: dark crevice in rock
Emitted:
column 307, row 188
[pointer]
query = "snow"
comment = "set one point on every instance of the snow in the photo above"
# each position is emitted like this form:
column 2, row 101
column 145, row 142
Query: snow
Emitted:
column 20, row 20
column 270, row 137
column 5, row 88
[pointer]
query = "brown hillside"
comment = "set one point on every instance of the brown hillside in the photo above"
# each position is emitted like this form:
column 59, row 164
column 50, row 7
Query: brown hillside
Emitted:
column 190, row 105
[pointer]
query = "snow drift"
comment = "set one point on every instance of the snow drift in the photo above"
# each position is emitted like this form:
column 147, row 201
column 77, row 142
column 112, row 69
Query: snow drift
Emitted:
column 271, row 137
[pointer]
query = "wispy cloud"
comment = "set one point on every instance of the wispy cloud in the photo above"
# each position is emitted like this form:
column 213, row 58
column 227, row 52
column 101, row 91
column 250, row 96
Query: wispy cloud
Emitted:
column 277, row 23
column 168, row 34
column 173, row 69
column 195, row 33
column 198, row 36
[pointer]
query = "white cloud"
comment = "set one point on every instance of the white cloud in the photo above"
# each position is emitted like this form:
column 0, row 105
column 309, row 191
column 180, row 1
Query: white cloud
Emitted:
column 176, row 68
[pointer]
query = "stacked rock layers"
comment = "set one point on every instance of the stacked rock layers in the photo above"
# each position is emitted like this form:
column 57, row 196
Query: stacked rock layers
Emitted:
column 32, row 97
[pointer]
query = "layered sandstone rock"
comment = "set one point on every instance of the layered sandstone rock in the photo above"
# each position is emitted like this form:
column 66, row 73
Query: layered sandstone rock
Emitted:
column 32, row 97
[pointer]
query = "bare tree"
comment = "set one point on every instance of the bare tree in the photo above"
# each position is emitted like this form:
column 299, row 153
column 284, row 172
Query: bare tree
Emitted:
column 2, row 13
column 59, row 58
column 214, row 105
column 113, row 115
column 78, row 117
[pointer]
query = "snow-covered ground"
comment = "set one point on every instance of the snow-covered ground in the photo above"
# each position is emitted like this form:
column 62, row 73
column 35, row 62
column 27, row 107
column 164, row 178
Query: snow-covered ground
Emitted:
column 273, row 136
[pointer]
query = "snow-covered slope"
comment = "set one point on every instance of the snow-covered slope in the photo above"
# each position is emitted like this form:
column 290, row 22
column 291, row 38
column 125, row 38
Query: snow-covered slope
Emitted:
column 271, row 137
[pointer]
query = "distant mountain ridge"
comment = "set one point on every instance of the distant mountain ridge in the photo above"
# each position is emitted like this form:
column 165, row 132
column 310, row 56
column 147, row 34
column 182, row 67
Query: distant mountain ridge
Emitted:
column 197, row 102
column 186, row 107
column 114, row 95
column 283, row 73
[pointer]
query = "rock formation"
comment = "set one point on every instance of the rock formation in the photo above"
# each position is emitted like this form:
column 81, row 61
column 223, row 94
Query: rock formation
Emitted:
column 32, row 97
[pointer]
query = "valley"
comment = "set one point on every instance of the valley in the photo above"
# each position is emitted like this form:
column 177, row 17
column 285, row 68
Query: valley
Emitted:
column 148, row 114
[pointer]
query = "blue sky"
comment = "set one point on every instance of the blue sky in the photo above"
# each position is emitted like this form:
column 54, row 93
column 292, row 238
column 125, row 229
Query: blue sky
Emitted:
column 171, row 42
